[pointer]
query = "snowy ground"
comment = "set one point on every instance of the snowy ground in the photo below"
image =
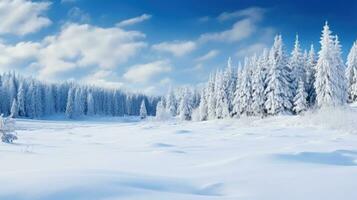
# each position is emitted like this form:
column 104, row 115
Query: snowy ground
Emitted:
column 294, row 158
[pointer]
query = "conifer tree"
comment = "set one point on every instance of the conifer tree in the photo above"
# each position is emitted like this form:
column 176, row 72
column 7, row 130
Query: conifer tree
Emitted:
column 300, row 103
column 330, row 81
column 143, row 111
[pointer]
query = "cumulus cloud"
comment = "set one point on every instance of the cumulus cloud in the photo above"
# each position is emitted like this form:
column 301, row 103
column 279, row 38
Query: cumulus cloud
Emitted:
column 21, row 17
column 209, row 55
column 80, row 46
column 13, row 56
column 135, row 20
column 145, row 72
column 177, row 48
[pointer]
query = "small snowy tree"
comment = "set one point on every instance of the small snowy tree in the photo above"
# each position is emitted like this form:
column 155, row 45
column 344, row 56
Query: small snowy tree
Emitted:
column 161, row 112
column 14, row 109
column 300, row 103
column 143, row 111
column 7, row 129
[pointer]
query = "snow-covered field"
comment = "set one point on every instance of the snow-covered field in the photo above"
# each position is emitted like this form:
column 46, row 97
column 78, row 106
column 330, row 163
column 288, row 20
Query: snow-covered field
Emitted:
column 293, row 158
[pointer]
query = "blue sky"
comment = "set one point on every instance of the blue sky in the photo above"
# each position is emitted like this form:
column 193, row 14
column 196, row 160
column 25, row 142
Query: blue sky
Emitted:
column 148, row 45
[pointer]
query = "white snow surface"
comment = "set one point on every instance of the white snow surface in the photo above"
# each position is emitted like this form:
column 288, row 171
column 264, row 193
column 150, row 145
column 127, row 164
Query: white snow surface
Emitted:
column 285, row 157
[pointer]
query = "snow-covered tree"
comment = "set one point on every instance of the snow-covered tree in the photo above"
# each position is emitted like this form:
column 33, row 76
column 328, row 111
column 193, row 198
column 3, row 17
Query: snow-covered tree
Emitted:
column 297, row 66
column 143, row 111
column 310, row 76
column 351, row 73
column 185, row 107
column 222, row 107
column 21, row 100
column 244, row 93
column 203, row 106
column 211, row 100
column 14, row 109
column 258, row 97
column 70, row 108
column 171, row 104
column 300, row 103
column 330, row 84
column 278, row 91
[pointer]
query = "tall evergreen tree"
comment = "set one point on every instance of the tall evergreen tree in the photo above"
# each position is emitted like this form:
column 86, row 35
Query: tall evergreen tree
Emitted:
column 278, row 91
column 330, row 81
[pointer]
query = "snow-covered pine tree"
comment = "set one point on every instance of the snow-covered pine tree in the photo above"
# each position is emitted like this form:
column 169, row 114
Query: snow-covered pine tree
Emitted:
column 21, row 100
column 244, row 98
column 330, row 81
column 310, row 68
column 143, row 111
column 161, row 113
column 296, row 65
column 300, row 103
column 70, row 108
column 211, row 101
column 278, row 91
column 185, row 108
column 171, row 104
column 230, row 79
column 258, row 97
column 236, row 99
column 222, row 107
column 351, row 73
column 203, row 107
column 14, row 109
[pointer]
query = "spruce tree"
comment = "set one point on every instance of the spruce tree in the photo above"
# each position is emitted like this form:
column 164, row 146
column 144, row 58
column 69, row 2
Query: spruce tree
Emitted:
column 330, row 84
column 278, row 91
column 143, row 110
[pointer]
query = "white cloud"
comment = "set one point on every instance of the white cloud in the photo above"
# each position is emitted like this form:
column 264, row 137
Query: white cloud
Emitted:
column 145, row 72
column 252, row 12
column 81, row 46
column 135, row 20
column 177, row 48
column 13, row 56
column 240, row 30
column 209, row 55
column 21, row 17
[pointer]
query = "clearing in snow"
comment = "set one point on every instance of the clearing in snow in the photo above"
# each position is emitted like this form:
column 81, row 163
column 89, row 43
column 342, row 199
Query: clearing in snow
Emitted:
column 286, row 157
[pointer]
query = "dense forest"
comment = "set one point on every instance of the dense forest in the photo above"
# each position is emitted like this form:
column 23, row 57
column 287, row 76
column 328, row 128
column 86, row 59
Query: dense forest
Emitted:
column 30, row 98
column 272, row 83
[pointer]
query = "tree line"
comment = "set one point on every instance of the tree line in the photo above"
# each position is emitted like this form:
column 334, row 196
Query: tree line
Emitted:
column 271, row 83
column 30, row 98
